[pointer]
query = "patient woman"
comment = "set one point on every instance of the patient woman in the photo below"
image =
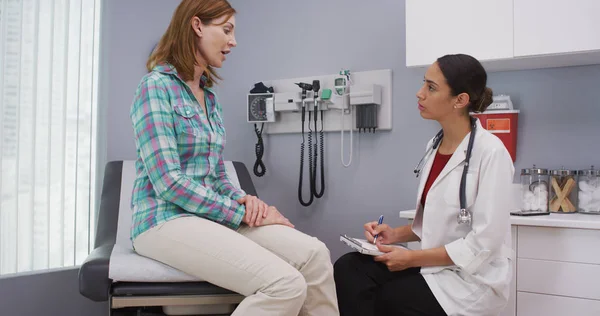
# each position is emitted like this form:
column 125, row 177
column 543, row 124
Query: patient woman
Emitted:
column 186, row 212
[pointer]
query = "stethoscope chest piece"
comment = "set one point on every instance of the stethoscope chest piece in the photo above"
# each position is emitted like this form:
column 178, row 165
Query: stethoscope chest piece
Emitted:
column 464, row 217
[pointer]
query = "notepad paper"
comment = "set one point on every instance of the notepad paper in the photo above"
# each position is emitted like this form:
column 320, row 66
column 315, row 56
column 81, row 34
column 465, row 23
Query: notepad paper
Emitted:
column 363, row 246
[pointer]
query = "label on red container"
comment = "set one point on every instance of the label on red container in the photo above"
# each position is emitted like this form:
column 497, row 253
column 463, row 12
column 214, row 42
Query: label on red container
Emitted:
column 499, row 125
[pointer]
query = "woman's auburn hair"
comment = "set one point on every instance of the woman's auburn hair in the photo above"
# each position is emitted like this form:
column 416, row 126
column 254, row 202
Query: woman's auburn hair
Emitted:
column 178, row 45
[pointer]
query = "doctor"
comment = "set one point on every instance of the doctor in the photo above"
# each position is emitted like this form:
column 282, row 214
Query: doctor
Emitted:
column 464, row 266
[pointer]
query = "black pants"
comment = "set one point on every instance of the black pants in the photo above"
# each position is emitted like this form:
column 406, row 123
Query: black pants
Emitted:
column 366, row 287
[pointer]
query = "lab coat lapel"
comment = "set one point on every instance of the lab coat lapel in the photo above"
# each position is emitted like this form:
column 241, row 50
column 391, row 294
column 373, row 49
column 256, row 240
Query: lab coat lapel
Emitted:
column 424, row 175
column 456, row 160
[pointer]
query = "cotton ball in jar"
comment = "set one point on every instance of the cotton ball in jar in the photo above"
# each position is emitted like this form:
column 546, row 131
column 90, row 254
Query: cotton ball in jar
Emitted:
column 596, row 194
column 585, row 198
column 585, row 186
column 543, row 196
column 595, row 207
column 595, row 183
column 528, row 196
column 539, row 190
column 541, row 185
column 540, row 202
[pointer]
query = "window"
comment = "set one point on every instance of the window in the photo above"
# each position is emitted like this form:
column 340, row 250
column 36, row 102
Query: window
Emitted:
column 48, row 79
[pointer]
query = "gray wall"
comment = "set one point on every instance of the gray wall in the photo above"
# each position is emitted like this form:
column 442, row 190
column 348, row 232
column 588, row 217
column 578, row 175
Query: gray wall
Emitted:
column 53, row 293
column 130, row 31
column 287, row 39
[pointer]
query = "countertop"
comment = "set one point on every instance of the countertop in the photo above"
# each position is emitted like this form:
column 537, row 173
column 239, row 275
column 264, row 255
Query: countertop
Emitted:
column 581, row 221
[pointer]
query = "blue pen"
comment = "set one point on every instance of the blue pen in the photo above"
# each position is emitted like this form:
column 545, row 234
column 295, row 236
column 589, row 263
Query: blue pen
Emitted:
column 378, row 223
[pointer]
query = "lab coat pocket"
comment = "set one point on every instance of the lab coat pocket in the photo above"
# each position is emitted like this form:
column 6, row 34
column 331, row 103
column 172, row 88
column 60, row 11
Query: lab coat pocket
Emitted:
column 498, row 272
column 186, row 120
column 452, row 192
column 466, row 287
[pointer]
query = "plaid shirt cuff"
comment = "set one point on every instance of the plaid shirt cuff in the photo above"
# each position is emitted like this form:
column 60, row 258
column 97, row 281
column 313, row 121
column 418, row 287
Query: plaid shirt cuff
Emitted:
column 233, row 218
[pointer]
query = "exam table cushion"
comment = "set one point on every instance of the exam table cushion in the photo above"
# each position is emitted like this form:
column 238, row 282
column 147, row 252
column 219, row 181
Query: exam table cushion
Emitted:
column 114, row 265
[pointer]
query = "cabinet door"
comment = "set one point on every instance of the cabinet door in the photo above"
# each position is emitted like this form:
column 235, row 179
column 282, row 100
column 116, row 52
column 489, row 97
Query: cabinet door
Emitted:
column 547, row 305
column 556, row 27
column 482, row 29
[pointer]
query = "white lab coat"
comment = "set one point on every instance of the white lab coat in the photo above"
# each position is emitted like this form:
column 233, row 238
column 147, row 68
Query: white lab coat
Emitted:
column 478, row 283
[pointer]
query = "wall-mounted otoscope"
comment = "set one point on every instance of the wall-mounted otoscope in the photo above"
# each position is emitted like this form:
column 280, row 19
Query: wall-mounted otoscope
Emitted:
column 318, row 141
column 305, row 87
column 313, row 155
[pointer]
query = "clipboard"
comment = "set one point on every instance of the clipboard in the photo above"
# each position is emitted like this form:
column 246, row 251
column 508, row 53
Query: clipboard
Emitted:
column 363, row 246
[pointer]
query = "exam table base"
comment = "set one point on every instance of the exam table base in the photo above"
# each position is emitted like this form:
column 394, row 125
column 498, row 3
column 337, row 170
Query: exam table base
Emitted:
column 181, row 304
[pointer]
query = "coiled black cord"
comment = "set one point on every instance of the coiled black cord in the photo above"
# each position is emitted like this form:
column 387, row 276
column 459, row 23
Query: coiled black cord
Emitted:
column 310, row 200
column 321, row 149
column 259, row 167
column 312, row 169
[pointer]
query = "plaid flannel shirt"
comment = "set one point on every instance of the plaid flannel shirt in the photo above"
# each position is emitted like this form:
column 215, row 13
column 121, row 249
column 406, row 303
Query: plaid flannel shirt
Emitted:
column 180, row 170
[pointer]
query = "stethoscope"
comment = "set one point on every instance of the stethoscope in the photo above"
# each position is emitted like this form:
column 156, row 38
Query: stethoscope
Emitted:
column 464, row 216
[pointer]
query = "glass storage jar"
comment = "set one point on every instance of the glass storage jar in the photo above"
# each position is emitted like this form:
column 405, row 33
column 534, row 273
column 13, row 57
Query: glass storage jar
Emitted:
column 563, row 191
column 534, row 189
column 589, row 191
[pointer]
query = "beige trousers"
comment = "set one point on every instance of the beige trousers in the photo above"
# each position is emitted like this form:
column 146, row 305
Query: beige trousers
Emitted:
column 280, row 270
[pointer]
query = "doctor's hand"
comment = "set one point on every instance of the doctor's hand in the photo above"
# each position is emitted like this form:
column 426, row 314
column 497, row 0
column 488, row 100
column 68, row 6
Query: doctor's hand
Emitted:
column 256, row 210
column 385, row 233
column 275, row 218
column 395, row 258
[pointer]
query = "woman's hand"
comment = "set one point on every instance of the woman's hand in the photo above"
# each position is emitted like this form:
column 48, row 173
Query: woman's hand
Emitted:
column 256, row 210
column 395, row 258
column 276, row 218
column 386, row 234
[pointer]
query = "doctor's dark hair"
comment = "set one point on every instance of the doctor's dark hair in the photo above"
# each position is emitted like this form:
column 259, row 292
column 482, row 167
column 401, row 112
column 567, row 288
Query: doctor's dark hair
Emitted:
column 465, row 74
column 178, row 44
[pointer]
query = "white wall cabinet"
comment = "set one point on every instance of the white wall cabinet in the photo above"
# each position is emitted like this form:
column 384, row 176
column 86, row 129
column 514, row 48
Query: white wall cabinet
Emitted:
column 536, row 304
column 558, row 270
column 504, row 34
column 438, row 27
column 556, row 27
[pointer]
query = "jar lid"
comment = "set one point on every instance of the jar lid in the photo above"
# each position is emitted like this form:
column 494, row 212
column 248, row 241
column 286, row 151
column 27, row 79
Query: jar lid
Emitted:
column 590, row 172
column 563, row 172
column 534, row 171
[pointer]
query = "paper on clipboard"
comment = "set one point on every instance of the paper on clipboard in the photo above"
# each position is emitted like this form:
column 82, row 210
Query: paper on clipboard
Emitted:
column 362, row 245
